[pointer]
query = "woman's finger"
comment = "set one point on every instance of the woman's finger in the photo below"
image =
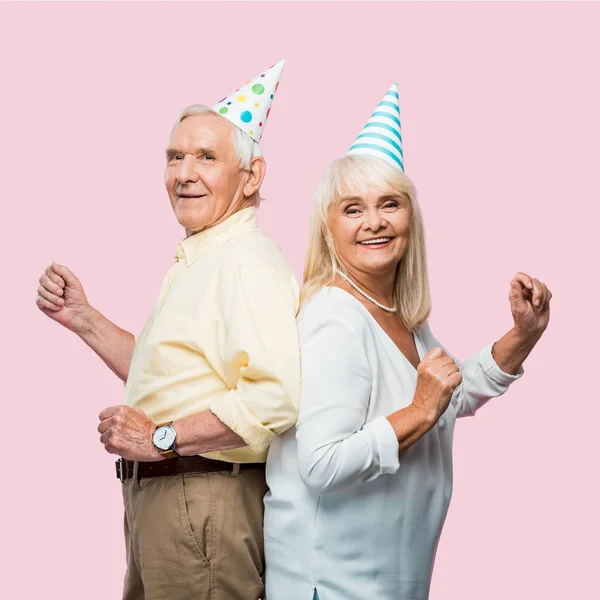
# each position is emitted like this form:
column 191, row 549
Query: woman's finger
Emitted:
column 537, row 295
column 524, row 279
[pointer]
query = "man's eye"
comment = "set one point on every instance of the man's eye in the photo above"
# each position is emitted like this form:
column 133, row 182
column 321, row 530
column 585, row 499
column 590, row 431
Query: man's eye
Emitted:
column 208, row 157
column 175, row 157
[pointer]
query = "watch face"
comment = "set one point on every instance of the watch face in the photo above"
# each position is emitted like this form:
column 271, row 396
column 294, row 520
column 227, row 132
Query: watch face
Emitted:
column 164, row 437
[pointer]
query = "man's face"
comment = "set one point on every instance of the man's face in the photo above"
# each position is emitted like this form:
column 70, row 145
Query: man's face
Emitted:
column 203, row 180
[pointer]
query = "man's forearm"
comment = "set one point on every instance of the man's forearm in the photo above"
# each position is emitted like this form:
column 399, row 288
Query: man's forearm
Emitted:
column 204, row 432
column 111, row 343
column 511, row 350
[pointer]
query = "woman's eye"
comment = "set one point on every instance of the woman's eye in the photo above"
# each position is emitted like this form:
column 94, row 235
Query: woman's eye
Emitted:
column 391, row 205
column 352, row 211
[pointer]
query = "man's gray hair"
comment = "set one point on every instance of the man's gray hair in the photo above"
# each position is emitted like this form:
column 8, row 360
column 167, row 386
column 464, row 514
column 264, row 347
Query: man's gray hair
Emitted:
column 244, row 146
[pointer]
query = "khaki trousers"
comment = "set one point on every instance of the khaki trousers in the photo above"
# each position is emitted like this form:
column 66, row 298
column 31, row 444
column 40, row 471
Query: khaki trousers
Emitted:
column 196, row 536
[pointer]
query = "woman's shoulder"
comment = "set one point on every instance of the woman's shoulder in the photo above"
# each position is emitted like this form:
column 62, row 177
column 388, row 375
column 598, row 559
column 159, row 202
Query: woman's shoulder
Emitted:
column 332, row 305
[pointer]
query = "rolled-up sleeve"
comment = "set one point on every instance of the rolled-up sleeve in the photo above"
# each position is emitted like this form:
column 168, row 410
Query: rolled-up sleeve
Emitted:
column 257, row 353
column 482, row 378
column 336, row 447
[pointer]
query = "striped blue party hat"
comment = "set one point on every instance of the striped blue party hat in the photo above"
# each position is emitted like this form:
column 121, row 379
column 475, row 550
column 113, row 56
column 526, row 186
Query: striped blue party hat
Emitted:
column 382, row 135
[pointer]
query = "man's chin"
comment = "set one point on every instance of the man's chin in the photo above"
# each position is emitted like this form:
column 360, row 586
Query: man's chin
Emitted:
column 191, row 223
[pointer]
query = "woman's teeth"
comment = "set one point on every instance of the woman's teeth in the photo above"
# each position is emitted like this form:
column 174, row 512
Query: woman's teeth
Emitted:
column 377, row 241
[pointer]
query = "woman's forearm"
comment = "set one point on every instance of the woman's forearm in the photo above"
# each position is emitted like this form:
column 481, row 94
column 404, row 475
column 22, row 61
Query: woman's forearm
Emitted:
column 410, row 424
column 511, row 350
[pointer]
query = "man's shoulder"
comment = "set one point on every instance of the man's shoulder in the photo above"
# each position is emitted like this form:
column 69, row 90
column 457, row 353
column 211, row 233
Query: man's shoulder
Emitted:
column 254, row 248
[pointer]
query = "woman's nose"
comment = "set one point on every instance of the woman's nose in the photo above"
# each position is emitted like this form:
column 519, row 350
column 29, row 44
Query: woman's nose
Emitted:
column 373, row 220
column 187, row 170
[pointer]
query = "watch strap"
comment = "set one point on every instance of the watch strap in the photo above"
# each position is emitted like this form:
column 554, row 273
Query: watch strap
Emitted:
column 169, row 454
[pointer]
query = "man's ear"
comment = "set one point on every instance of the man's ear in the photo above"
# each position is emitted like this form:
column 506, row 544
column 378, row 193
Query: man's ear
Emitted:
column 256, row 174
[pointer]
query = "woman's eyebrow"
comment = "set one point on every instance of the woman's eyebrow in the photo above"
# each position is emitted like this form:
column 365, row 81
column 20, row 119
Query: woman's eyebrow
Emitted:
column 347, row 199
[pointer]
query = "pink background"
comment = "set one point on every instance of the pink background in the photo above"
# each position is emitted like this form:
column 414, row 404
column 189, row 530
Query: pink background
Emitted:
column 500, row 118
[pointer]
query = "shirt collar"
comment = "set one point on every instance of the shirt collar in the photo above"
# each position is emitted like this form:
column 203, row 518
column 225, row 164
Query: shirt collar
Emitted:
column 191, row 248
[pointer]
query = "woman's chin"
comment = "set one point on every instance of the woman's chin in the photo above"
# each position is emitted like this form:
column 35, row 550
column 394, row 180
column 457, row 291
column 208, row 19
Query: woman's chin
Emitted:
column 379, row 267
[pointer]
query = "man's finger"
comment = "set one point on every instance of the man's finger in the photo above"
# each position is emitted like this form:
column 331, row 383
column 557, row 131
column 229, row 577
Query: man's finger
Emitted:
column 52, row 287
column 54, row 277
column 65, row 273
column 105, row 425
column 43, row 304
column 44, row 293
column 109, row 412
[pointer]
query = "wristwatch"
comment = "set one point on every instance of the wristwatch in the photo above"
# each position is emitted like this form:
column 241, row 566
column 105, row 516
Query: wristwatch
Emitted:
column 164, row 438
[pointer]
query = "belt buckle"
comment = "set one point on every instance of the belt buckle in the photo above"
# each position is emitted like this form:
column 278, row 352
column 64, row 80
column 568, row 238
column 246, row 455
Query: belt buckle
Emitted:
column 121, row 469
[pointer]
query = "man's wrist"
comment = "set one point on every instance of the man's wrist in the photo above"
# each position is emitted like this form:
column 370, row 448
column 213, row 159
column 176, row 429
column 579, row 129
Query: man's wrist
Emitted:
column 85, row 324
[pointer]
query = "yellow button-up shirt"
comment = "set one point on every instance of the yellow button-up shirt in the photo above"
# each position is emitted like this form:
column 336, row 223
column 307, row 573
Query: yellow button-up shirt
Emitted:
column 223, row 337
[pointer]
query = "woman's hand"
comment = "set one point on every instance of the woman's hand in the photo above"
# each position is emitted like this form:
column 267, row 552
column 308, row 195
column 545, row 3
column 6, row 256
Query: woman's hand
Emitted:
column 530, row 305
column 437, row 377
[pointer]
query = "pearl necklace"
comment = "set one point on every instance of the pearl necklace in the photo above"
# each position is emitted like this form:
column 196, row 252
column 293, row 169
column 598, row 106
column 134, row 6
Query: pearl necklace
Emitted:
column 363, row 293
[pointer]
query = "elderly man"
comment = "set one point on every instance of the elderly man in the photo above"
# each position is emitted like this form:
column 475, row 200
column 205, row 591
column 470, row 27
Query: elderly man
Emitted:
column 213, row 377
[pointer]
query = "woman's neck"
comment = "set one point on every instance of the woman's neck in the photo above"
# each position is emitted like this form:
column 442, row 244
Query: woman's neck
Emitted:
column 379, row 286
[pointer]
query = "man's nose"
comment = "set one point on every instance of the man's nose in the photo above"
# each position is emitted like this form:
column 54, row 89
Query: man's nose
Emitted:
column 187, row 170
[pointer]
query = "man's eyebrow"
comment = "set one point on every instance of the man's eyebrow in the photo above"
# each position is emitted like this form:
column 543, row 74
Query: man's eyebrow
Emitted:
column 171, row 151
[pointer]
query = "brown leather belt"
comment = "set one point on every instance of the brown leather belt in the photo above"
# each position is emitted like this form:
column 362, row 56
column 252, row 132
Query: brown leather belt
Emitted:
column 178, row 466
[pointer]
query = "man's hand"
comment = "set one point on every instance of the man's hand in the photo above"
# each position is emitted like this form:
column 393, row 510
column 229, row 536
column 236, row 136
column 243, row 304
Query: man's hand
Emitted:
column 61, row 297
column 127, row 432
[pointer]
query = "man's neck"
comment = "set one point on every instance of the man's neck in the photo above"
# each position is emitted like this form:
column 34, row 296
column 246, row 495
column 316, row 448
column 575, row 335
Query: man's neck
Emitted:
column 247, row 203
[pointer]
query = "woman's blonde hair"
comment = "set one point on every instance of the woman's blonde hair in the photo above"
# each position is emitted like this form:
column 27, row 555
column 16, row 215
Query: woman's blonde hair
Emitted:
column 353, row 175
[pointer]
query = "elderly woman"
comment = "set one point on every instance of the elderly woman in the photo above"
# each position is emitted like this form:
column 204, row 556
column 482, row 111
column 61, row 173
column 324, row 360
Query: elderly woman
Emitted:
column 359, row 489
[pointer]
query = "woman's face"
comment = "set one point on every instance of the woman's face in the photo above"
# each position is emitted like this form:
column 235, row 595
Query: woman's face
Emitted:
column 371, row 230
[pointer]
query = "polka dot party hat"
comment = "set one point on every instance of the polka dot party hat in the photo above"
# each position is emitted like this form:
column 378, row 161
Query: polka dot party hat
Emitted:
column 249, row 106
column 382, row 135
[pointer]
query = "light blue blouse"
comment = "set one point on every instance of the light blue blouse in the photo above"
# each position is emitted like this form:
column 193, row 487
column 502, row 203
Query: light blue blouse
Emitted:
column 344, row 514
